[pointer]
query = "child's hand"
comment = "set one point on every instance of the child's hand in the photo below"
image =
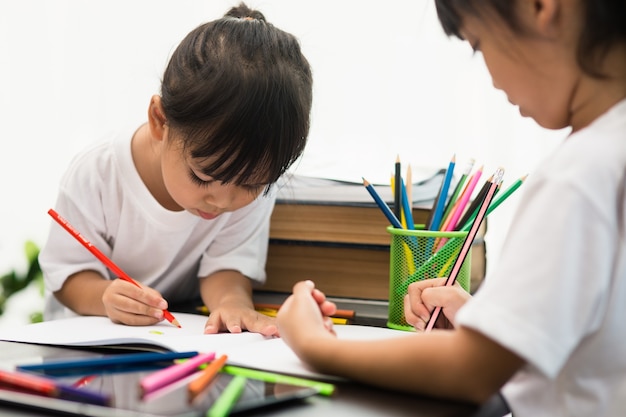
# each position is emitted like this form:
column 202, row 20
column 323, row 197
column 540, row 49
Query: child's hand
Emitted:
column 305, row 314
column 128, row 304
column 236, row 317
column 422, row 298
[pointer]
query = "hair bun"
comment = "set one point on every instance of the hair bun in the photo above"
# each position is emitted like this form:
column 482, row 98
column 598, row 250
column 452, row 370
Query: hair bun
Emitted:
column 244, row 12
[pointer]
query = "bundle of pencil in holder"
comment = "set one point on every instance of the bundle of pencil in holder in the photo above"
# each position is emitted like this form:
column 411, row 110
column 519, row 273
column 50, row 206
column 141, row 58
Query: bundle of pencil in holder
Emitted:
column 421, row 254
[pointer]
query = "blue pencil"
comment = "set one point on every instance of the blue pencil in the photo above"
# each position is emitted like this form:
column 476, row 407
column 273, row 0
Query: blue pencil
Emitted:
column 105, row 362
column 443, row 195
column 382, row 205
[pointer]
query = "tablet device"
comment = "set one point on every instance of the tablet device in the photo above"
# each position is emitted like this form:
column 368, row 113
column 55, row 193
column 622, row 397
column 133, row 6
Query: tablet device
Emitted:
column 170, row 401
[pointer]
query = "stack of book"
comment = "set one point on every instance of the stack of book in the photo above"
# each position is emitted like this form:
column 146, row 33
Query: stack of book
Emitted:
column 333, row 233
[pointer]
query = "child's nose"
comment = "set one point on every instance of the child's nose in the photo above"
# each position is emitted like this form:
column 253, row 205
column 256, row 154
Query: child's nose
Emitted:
column 221, row 197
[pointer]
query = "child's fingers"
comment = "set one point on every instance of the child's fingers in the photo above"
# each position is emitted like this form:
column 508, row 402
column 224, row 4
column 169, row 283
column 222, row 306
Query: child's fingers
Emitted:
column 126, row 303
column 328, row 308
column 218, row 321
column 415, row 314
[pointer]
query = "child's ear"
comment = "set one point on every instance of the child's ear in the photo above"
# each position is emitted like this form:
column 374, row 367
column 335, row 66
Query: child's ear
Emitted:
column 156, row 118
column 545, row 16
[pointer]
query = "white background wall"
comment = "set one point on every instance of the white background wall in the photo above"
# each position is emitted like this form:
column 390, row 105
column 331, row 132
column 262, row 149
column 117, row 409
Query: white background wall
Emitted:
column 388, row 82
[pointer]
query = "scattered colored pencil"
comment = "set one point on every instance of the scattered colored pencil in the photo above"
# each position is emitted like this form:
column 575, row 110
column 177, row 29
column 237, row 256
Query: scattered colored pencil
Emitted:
column 229, row 397
column 173, row 373
column 199, row 384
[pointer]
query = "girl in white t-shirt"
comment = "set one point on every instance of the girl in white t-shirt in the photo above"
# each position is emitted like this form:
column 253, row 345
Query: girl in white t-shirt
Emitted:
column 547, row 328
column 182, row 203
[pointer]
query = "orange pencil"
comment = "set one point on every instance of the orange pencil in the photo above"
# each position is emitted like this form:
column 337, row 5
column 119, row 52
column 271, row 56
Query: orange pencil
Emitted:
column 102, row 257
column 196, row 386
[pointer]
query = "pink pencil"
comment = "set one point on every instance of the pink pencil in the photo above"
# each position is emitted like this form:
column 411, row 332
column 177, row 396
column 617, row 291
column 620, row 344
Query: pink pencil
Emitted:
column 467, row 243
column 459, row 207
column 173, row 373
column 464, row 200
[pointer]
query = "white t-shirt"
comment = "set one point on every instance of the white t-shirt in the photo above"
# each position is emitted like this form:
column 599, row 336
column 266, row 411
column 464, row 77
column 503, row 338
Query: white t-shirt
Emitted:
column 103, row 197
column 557, row 295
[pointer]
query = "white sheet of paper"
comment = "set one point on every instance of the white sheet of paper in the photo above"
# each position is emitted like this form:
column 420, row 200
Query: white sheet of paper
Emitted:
column 243, row 349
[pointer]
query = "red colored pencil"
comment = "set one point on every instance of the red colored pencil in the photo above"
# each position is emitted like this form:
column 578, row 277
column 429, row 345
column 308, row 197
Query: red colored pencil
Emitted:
column 28, row 382
column 102, row 257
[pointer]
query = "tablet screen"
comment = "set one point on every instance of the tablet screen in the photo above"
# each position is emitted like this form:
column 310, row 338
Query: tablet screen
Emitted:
column 171, row 401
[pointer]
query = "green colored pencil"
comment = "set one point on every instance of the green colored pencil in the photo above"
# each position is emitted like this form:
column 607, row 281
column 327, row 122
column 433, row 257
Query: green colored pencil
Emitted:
column 324, row 388
column 229, row 397
column 496, row 202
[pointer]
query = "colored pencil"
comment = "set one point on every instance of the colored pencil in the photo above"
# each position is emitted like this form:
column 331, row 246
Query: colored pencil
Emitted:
column 44, row 386
column 498, row 200
column 457, row 190
column 270, row 312
column 402, row 218
column 173, row 373
column 464, row 199
column 198, row 385
column 467, row 243
column 452, row 223
column 397, row 203
column 260, row 307
column 409, row 185
column 229, row 397
column 103, row 258
column 406, row 206
column 443, row 196
column 438, row 257
column 473, row 206
column 323, row 388
column 28, row 382
column 347, row 314
column 106, row 362
column 382, row 205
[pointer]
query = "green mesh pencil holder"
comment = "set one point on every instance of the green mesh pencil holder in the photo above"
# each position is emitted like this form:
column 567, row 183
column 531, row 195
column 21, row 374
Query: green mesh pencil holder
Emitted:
column 421, row 254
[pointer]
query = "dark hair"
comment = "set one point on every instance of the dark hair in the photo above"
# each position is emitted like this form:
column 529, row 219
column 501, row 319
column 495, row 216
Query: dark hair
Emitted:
column 604, row 25
column 239, row 90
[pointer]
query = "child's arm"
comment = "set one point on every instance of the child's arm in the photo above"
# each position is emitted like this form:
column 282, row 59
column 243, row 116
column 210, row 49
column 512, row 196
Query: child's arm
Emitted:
column 88, row 293
column 228, row 296
column 459, row 364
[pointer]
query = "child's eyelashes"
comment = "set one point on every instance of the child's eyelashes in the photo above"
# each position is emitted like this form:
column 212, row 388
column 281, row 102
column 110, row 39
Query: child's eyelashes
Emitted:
column 251, row 188
column 199, row 181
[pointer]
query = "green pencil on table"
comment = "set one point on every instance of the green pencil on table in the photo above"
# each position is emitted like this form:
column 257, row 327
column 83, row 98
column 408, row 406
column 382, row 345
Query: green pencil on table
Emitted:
column 323, row 388
column 229, row 397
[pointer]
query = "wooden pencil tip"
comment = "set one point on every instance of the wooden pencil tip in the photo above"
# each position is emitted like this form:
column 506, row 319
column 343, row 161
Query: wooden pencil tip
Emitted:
column 177, row 324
